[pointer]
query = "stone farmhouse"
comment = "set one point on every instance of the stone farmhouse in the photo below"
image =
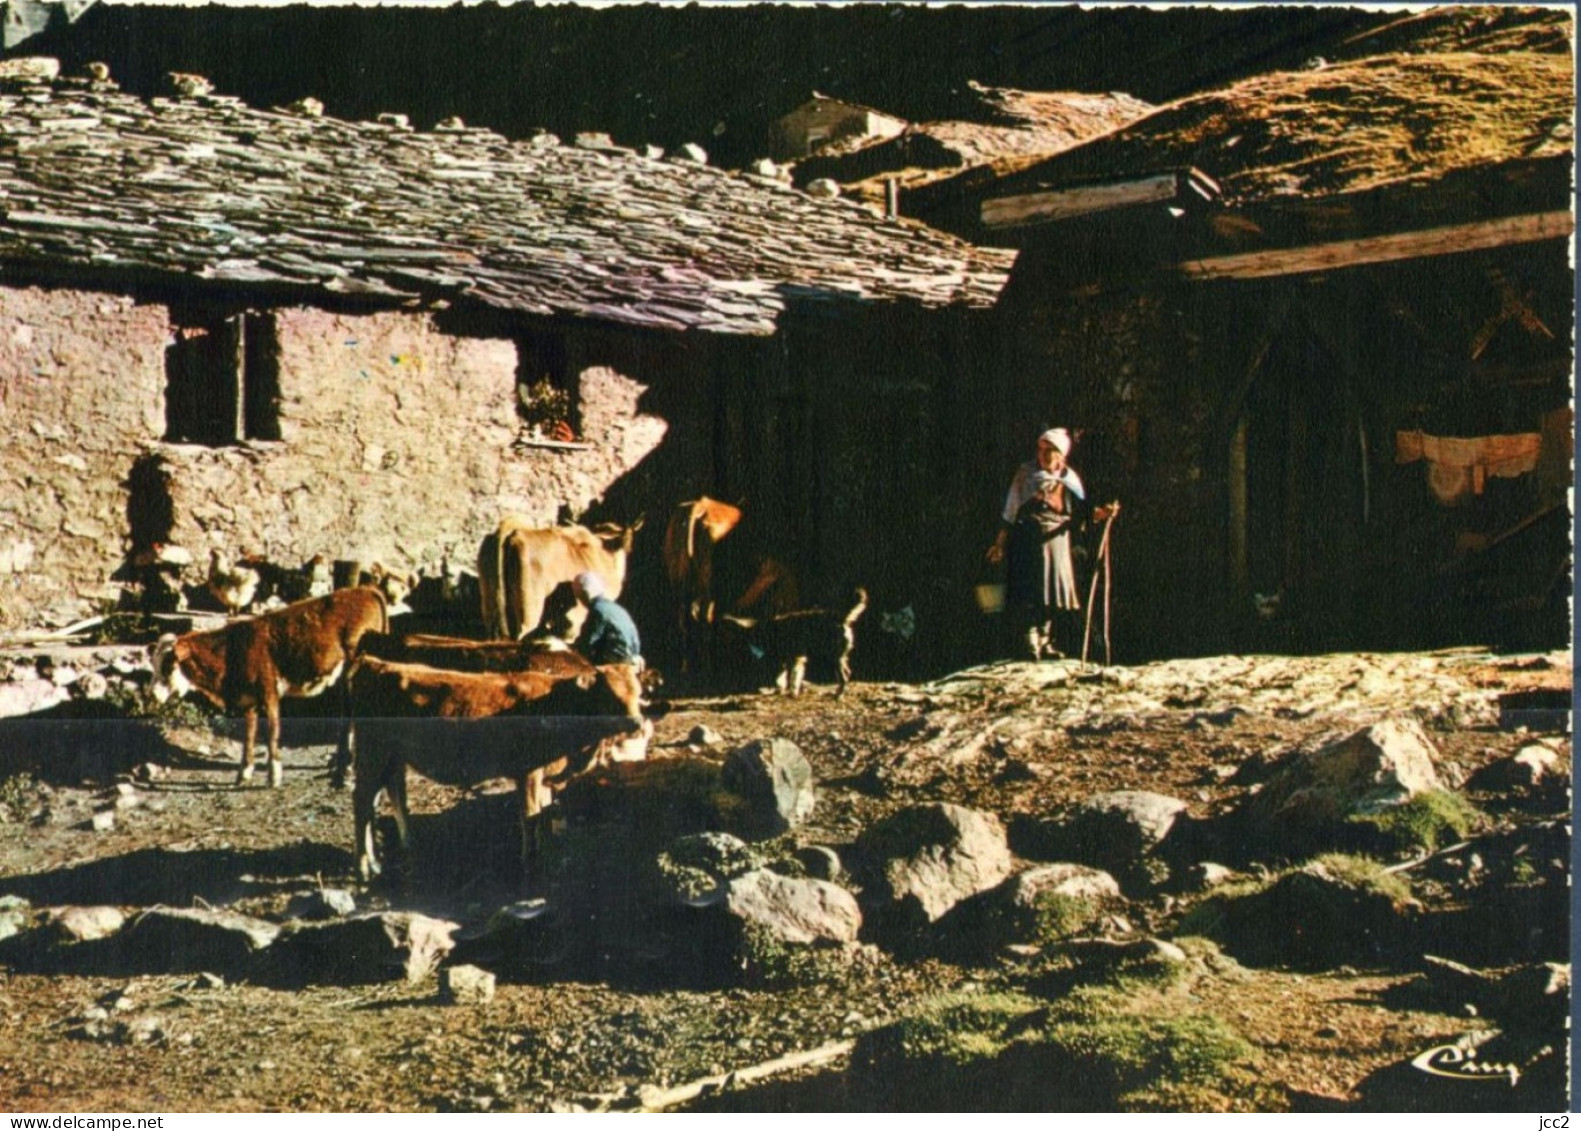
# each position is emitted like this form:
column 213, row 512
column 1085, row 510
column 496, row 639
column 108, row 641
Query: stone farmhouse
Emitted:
column 274, row 332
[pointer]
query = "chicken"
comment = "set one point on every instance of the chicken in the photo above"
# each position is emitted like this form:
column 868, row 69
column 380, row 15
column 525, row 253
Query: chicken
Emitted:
column 233, row 586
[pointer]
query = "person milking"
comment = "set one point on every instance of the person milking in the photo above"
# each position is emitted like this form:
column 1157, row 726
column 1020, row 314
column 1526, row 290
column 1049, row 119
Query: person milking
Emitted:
column 609, row 636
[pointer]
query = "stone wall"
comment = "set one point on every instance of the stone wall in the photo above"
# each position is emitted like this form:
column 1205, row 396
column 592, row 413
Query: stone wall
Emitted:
column 81, row 394
column 397, row 445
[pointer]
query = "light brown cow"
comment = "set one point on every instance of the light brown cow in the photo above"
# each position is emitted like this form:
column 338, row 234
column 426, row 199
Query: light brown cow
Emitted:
column 520, row 567
column 704, row 585
column 297, row 651
column 464, row 728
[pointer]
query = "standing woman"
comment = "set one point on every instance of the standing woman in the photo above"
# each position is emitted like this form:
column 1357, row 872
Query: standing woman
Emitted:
column 1035, row 542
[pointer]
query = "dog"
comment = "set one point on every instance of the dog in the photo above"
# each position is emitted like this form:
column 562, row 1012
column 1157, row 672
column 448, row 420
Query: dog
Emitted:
column 790, row 640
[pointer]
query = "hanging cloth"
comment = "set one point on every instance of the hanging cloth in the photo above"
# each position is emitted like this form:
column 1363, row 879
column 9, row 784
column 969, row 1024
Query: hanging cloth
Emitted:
column 1456, row 463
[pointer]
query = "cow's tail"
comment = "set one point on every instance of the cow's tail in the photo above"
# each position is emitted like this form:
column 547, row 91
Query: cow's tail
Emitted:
column 857, row 609
column 501, row 627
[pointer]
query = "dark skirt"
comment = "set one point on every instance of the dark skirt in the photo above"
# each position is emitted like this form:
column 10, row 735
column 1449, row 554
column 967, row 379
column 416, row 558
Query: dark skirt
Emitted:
column 1040, row 573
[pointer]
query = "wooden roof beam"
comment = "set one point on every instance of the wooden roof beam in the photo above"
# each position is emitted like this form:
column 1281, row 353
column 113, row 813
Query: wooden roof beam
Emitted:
column 1189, row 188
column 1478, row 236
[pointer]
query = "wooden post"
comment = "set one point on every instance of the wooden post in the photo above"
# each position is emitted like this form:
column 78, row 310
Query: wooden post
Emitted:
column 239, row 368
column 1240, row 575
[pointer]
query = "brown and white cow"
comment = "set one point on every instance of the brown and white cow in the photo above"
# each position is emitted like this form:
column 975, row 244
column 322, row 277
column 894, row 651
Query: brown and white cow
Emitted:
column 548, row 654
column 464, row 728
column 249, row 665
column 520, row 566
column 549, row 657
column 707, row 579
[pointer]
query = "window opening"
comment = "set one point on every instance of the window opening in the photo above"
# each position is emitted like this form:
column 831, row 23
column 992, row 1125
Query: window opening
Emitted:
column 546, row 397
column 222, row 375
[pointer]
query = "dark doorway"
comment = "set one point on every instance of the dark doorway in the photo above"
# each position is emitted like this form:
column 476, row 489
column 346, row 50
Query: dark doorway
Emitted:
column 1306, row 451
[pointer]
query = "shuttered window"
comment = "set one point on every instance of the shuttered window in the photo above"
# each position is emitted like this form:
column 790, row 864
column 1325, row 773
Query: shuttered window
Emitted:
column 222, row 379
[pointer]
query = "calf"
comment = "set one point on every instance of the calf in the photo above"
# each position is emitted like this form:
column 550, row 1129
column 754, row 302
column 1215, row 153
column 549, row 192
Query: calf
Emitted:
column 790, row 640
column 297, row 651
column 456, row 654
column 463, row 728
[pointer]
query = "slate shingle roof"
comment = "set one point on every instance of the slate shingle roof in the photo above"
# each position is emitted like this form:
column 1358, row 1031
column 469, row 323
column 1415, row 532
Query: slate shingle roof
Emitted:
column 208, row 188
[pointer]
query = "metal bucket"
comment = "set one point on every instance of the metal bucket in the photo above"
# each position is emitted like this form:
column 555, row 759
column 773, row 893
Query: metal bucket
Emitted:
column 990, row 598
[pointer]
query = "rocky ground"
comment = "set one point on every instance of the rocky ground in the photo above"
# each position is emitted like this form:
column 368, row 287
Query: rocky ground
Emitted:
column 1149, row 882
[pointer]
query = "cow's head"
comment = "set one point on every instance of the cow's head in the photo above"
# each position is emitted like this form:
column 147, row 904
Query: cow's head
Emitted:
column 618, row 539
column 165, row 656
column 615, row 693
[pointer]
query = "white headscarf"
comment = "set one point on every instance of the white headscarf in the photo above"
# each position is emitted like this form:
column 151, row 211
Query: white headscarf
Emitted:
column 1059, row 438
column 589, row 585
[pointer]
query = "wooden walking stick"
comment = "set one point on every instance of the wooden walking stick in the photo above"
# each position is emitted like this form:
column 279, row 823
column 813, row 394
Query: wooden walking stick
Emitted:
column 1107, row 554
column 1092, row 592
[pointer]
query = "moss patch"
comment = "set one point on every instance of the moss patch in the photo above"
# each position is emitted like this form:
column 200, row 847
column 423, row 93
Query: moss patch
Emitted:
column 1055, row 916
column 1362, row 873
column 1334, row 910
column 18, row 798
column 1425, row 823
column 1098, row 1048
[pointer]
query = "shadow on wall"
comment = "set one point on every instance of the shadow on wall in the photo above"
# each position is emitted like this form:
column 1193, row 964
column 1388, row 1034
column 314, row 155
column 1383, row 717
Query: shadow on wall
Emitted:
column 852, row 442
column 150, row 513
column 153, row 577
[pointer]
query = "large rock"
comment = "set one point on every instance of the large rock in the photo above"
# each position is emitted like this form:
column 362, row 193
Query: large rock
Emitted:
column 694, row 866
column 922, row 861
column 1533, row 766
column 775, row 779
column 180, row 939
column 1117, row 832
column 1361, row 774
column 1070, row 881
column 1119, row 827
column 85, row 924
column 1533, row 997
column 792, row 910
column 464, row 985
column 13, row 921
column 362, row 948
column 1035, row 906
column 1315, row 918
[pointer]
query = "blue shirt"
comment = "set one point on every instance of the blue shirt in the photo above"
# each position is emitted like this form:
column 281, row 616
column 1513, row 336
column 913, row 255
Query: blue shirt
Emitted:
column 609, row 635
